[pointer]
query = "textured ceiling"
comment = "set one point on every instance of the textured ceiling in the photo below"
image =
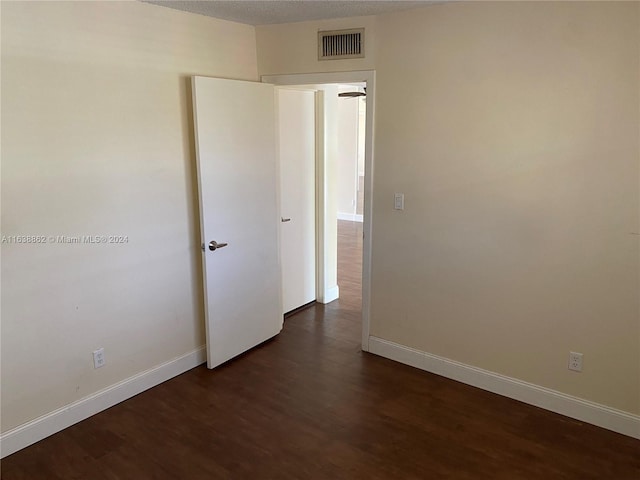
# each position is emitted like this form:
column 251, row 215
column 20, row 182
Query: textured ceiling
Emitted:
column 266, row 12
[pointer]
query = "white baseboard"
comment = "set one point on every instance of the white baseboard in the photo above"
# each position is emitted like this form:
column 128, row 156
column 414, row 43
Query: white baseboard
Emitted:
column 331, row 294
column 352, row 217
column 53, row 422
column 570, row 406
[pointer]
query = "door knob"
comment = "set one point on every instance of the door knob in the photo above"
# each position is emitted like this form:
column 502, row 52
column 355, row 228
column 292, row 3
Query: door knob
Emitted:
column 213, row 245
column 284, row 220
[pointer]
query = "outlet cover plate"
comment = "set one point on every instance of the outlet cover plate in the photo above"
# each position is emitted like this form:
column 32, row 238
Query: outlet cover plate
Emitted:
column 98, row 358
column 575, row 361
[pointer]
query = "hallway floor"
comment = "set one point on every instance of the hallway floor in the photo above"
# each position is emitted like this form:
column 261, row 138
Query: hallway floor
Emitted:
column 310, row 405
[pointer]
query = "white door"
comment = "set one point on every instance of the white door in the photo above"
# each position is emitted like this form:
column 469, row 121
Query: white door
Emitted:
column 237, row 179
column 296, row 120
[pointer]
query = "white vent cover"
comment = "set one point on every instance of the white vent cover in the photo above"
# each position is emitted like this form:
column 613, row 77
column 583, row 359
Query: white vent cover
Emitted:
column 336, row 44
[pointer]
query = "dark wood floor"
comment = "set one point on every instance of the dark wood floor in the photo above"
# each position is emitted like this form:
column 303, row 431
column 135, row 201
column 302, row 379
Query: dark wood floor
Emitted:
column 311, row 405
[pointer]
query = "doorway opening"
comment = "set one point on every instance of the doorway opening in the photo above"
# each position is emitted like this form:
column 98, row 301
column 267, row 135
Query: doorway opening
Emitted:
column 354, row 232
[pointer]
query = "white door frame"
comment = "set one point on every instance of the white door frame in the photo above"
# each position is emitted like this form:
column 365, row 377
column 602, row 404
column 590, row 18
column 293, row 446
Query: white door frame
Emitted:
column 368, row 77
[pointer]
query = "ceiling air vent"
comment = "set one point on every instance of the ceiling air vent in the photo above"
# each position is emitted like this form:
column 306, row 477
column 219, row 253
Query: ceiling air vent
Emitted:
column 336, row 44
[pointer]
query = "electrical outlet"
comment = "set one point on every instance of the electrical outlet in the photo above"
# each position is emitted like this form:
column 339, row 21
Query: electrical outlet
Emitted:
column 98, row 358
column 575, row 361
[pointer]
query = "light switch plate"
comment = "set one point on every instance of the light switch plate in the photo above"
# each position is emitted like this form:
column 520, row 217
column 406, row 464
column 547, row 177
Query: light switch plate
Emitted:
column 398, row 201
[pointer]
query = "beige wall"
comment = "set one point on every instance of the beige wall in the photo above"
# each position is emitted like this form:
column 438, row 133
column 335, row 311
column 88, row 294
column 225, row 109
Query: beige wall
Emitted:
column 512, row 130
column 96, row 140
